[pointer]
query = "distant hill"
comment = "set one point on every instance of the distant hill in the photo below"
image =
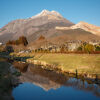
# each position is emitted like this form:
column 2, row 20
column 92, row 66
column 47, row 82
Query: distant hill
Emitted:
column 85, row 26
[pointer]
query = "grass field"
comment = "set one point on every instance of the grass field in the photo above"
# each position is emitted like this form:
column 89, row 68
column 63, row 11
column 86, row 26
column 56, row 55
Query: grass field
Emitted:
column 84, row 63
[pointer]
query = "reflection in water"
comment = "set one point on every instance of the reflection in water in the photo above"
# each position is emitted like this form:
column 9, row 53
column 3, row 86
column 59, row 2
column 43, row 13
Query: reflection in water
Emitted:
column 21, row 66
column 53, row 80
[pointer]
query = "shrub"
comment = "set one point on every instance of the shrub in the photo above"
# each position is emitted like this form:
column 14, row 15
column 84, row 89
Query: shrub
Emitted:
column 9, row 49
column 97, row 48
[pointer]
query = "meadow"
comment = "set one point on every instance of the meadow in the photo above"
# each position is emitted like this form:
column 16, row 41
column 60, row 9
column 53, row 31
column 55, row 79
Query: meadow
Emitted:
column 83, row 63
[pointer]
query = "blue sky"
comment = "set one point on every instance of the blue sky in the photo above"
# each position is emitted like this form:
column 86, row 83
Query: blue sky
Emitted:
column 73, row 10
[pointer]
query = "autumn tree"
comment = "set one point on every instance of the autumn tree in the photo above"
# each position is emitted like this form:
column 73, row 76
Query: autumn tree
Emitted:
column 41, row 37
column 89, row 48
column 11, row 42
column 23, row 40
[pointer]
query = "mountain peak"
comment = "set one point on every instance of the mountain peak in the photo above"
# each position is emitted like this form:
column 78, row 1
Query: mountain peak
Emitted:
column 44, row 12
column 82, row 22
column 85, row 24
column 47, row 13
column 56, row 13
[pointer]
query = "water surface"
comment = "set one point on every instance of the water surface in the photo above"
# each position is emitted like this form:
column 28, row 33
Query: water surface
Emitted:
column 29, row 91
column 40, row 84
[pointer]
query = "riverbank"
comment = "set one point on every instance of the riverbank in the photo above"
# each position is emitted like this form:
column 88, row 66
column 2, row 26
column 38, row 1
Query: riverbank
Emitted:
column 8, row 79
column 87, row 65
column 78, row 66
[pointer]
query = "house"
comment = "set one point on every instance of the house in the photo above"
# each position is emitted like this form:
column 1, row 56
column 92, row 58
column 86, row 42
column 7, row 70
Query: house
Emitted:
column 94, row 43
column 1, row 44
column 73, row 46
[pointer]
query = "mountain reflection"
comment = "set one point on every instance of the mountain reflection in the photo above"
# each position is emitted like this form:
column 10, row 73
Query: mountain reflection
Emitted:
column 52, row 80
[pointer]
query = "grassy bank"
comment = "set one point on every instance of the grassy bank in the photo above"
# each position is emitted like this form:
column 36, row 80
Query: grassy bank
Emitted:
column 83, row 63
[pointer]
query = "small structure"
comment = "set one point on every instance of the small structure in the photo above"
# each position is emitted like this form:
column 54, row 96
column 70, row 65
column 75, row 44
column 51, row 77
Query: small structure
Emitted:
column 1, row 44
column 72, row 46
column 94, row 43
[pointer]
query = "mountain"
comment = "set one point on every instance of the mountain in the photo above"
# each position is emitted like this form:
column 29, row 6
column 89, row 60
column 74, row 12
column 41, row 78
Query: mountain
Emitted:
column 50, row 24
column 59, row 37
column 53, row 14
column 85, row 26
column 45, row 20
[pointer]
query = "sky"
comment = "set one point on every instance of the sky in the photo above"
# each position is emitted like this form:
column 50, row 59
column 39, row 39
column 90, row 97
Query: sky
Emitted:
column 73, row 10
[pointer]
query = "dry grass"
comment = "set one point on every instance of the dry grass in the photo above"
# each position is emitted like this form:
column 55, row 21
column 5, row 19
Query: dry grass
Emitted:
column 84, row 63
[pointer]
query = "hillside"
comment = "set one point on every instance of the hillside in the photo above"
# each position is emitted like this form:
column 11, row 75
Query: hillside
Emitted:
column 52, row 25
column 43, row 21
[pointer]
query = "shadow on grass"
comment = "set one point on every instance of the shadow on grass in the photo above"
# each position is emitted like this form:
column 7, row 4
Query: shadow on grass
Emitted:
column 21, row 58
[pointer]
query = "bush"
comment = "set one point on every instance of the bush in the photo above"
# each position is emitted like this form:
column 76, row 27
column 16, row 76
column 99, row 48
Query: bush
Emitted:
column 97, row 48
column 79, row 48
column 9, row 49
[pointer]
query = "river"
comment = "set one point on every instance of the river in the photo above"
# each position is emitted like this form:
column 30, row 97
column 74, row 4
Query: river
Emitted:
column 40, row 84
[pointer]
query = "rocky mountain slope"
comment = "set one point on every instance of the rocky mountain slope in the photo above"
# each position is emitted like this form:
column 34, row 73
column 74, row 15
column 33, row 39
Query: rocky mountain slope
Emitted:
column 50, row 24
column 85, row 26
column 43, row 21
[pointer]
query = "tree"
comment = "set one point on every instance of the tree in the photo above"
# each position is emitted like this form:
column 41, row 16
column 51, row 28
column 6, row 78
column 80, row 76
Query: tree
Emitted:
column 23, row 40
column 63, row 49
column 41, row 37
column 11, row 42
column 79, row 48
column 89, row 48
column 9, row 49
column 97, row 48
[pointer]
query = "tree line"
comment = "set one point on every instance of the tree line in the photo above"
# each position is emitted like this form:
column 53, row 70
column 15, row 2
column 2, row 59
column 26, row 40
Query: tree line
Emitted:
column 21, row 40
column 83, row 48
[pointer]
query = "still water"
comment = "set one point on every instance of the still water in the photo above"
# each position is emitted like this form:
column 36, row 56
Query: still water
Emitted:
column 29, row 91
column 40, row 84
